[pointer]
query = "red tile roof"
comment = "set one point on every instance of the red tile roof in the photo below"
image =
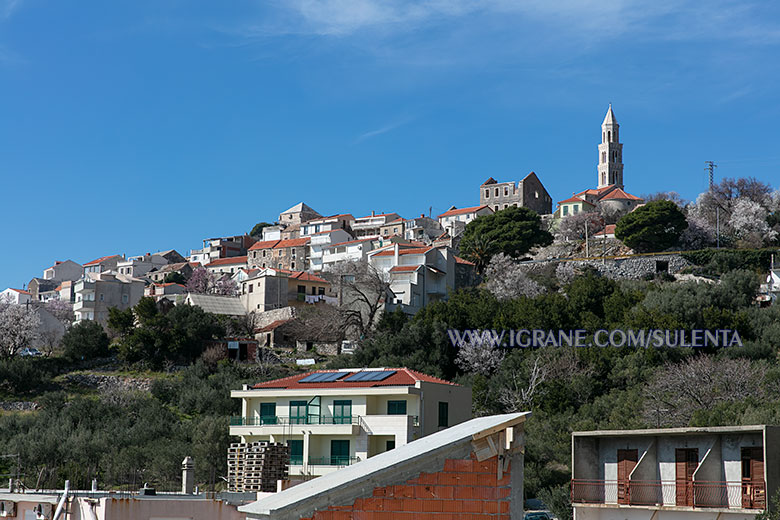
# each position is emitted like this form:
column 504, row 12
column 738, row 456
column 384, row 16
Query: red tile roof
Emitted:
column 100, row 260
column 293, row 242
column 573, row 199
column 377, row 215
column 462, row 211
column 273, row 325
column 459, row 260
column 306, row 277
column 405, row 268
column 268, row 244
column 20, row 291
column 402, row 377
column 608, row 230
column 227, row 261
column 619, row 194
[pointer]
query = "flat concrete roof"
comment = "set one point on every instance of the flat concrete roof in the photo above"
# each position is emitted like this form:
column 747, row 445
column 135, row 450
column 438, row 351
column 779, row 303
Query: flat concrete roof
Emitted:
column 30, row 497
column 383, row 469
column 671, row 431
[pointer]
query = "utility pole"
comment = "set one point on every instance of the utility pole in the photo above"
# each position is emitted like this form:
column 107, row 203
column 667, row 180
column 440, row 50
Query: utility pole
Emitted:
column 587, row 250
column 709, row 167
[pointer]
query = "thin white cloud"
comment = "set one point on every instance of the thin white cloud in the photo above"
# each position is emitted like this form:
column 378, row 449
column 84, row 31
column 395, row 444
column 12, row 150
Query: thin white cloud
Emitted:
column 383, row 130
column 8, row 8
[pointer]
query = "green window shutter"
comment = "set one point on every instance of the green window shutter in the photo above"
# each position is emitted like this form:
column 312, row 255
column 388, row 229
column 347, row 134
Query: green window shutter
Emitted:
column 339, row 452
column 296, row 451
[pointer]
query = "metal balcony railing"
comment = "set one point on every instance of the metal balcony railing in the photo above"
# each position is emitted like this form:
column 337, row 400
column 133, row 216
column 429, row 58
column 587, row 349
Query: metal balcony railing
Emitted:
column 271, row 420
column 333, row 460
column 732, row 495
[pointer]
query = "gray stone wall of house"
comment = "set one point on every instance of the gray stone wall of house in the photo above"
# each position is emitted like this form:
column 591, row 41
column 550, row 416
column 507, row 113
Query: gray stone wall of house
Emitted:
column 629, row 268
column 534, row 196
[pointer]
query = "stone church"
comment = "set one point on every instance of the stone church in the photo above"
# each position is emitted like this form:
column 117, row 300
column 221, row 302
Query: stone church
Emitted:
column 609, row 194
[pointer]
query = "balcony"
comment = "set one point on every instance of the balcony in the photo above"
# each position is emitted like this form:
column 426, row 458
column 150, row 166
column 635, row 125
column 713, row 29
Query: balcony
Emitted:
column 671, row 493
column 273, row 420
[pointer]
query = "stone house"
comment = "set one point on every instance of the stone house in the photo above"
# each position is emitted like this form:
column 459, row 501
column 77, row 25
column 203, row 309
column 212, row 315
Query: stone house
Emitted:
column 528, row 192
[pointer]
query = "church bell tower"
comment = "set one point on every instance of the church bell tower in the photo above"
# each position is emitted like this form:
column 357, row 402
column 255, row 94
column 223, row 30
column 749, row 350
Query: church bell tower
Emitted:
column 610, row 152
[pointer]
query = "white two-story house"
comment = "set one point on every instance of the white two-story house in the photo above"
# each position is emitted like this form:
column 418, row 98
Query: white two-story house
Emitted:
column 321, row 241
column 337, row 417
column 723, row 473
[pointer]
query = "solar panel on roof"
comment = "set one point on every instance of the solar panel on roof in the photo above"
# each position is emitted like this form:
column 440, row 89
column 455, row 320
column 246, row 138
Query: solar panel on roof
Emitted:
column 321, row 377
column 370, row 375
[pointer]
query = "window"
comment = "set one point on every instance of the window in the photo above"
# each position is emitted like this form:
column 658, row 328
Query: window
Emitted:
column 296, row 452
column 321, row 291
column 390, row 445
column 537, row 194
column 301, row 289
column 496, row 208
column 396, row 407
column 576, row 208
column 444, row 414
column 298, row 412
column 565, row 210
column 496, row 192
column 268, row 413
column 125, row 298
column 251, row 287
column 339, row 452
column 506, row 206
column 342, row 411
column 487, row 194
column 506, row 191
column 101, row 297
column 603, row 157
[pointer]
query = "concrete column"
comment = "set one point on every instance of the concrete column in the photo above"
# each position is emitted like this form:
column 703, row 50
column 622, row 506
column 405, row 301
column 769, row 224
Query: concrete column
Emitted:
column 187, row 475
column 516, row 468
column 306, row 435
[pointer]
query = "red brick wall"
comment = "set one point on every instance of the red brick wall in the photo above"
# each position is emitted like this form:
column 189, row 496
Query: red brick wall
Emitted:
column 463, row 490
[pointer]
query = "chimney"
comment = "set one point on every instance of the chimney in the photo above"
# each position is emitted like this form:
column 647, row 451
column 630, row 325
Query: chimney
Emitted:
column 187, row 475
column 395, row 254
column 373, row 213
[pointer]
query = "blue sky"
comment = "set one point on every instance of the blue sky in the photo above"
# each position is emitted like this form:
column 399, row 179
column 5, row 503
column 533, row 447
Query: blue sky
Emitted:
column 133, row 127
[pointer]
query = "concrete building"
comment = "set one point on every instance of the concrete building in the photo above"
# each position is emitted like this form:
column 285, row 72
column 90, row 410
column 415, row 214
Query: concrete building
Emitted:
column 228, row 266
column 42, row 290
column 454, row 220
column 297, row 215
column 221, row 247
column 372, row 224
column 183, row 268
column 417, row 275
column 422, row 228
column 140, row 266
column 573, row 206
column 320, row 225
column 726, row 472
column 268, row 289
column 473, row 470
column 321, row 241
column 350, row 251
column 291, row 254
column 393, row 228
column 528, row 192
column 96, row 293
column 102, row 264
column 15, row 296
column 334, row 418
column 67, row 270
column 161, row 290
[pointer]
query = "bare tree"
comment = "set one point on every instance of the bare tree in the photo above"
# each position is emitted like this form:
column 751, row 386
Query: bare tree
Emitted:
column 362, row 291
column 61, row 310
column 573, row 227
column 507, row 280
column 665, row 195
column 18, row 328
column 475, row 356
column 520, row 392
column 678, row 390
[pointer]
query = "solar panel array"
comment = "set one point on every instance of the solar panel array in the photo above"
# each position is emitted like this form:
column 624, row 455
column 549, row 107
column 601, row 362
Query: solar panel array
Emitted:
column 322, row 377
column 372, row 375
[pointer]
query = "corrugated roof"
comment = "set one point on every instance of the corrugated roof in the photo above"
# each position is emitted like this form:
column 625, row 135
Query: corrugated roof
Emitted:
column 226, row 305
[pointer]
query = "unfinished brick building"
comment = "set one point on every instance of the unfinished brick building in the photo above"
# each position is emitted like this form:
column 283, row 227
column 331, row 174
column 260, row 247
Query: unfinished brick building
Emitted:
column 471, row 471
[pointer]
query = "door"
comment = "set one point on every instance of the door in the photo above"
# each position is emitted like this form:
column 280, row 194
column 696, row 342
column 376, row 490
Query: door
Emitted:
column 686, row 460
column 298, row 412
column 753, row 492
column 296, row 452
column 339, row 452
column 267, row 413
column 627, row 460
column 342, row 411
